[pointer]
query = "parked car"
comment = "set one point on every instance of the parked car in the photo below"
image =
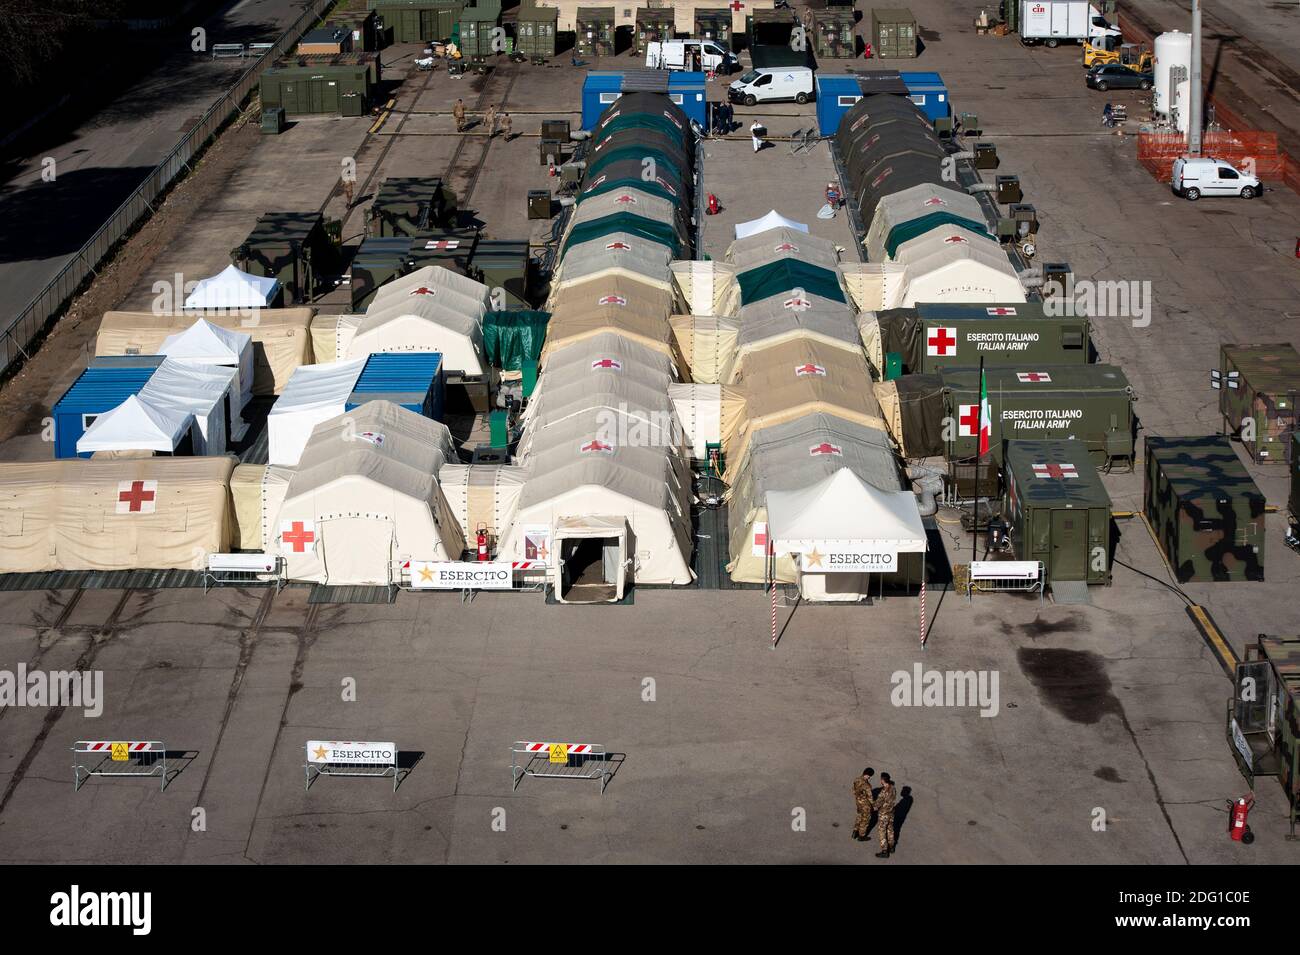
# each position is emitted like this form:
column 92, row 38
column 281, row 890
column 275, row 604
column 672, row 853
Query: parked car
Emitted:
column 769, row 85
column 1118, row 77
column 1198, row 177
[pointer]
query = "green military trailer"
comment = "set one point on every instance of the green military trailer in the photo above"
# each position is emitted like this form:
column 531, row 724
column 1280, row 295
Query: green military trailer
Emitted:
column 342, row 84
column 1091, row 404
column 362, row 25
column 376, row 262
column 503, row 264
column 595, row 31
column 448, row 248
column 832, row 33
column 416, row 21
column 713, row 23
column 535, row 31
column 771, row 27
column 410, row 206
column 479, row 33
column 1205, row 510
column 1264, row 717
column 1258, row 388
column 1057, row 510
column 933, row 336
column 653, row 25
column 893, row 33
column 293, row 247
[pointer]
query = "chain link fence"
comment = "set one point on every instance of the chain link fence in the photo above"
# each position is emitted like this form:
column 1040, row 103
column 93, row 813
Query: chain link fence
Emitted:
column 24, row 327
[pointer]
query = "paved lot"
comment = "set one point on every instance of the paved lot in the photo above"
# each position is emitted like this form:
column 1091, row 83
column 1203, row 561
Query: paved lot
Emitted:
column 1117, row 706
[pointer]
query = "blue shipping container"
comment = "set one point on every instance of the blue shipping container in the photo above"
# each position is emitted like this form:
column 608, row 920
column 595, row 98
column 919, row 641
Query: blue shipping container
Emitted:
column 101, row 387
column 601, row 89
column 414, row 380
column 837, row 93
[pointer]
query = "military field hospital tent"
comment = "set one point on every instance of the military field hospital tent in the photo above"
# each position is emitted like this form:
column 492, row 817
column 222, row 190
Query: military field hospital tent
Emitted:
column 365, row 498
column 84, row 514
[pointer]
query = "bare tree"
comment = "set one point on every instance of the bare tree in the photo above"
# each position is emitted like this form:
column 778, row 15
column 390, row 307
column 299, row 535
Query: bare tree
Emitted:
column 33, row 32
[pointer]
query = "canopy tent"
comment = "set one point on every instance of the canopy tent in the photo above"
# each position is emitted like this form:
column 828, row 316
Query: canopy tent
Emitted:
column 257, row 491
column 708, row 287
column 365, row 496
column 483, row 496
column 280, row 337
column 315, row 393
column 233, row 288
column 788, row 278
column 918, row 202
column 156, row 513
column 707, row 344
column 782, row 243
column 619, row 253
column 208, row 392
column 138, row 425
column 773, row 220
column 792, row 455
column 957, row 265
column 204, row 343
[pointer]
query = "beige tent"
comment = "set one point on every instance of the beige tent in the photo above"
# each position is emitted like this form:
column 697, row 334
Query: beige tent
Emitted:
column 707, row 287
column 365, row 497
column 156, row 513
column 331, row 335
column 630, row 308
column 875, row 286
column 281, row 341
column 707, row 344
column 699, row 409
column 257, row 491
column 771, row 245
column 957, row 265
column 483, row 495
column 793, row 379
column 577, row 357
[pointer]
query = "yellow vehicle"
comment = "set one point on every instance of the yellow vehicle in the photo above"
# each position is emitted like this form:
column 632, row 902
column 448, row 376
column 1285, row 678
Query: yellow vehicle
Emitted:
column 1126, row 54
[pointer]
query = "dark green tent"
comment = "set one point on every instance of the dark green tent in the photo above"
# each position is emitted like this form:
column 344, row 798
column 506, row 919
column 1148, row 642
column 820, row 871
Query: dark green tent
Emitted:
column 661, row 232
column 639, row 152
column 783, row 276
column 511, row 338
column 920, row 226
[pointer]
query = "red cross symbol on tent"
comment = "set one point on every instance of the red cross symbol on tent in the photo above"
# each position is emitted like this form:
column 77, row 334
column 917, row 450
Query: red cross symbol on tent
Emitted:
column 611, row 300
column 941, row 341
column 808, row 368
column 787, row 247
column 954, row 240
column 968, row 420
column 298, row 536
column 736, row 5
column 1054, row 470
column 618, row 247
column 1000, row 310
column 881, row 178
column 797, row 304
column 607, row 363
column 662, row 181
column 595, row 445
column 599, row 179
column 442, row 244
column 137, row 497
column 625, row 199
column 934, row 201
column 1032, row 376
column 423, row 290
column 825, row 448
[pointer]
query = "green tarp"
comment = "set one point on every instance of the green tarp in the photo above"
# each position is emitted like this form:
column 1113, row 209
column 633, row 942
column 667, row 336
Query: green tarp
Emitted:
column 920, row 226
column 661, row 232
column 783, row 276
column 511, row 338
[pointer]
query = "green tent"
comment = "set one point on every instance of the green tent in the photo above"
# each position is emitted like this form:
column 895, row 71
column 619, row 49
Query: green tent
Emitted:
column 920, row 226
column 642, row 121
column 661, row 232
column 784, row 275
column 640, row 153
column 628, row 182
column 511, row 338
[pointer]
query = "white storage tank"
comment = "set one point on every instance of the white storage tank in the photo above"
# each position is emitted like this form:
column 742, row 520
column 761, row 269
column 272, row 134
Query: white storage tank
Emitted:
column 1173, row 49
column 1183, row 105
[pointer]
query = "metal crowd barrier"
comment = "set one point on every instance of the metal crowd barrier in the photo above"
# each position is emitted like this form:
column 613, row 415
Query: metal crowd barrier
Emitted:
column 559, row 761
column 140, row 758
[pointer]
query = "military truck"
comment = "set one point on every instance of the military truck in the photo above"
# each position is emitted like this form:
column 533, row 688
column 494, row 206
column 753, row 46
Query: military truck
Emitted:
column 1205, row 510
column 1057, row 510
column 1092, row 404
column 1258, row 388
column 1263, row 725
column 933, row 336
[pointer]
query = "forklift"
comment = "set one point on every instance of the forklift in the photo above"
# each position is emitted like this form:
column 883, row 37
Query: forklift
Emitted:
column 1135, row 57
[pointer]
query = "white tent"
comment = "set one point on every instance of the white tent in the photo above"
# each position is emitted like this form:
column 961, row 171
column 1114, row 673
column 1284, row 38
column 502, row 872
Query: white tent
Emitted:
column 841, row 523
column 957, row 265
column 912, row 203
column 209, row 392
column 206, row 344
column 314, row 394
column 773, row 220
column 136, row 425
column 233, row 288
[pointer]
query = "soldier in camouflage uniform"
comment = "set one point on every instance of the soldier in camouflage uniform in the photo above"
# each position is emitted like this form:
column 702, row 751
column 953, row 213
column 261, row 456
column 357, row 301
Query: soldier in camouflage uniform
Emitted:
column 885, row 816
column 862, row 798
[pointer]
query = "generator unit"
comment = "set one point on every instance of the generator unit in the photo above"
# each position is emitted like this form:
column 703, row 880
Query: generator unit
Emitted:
column 293, row 247
column 1258, row 387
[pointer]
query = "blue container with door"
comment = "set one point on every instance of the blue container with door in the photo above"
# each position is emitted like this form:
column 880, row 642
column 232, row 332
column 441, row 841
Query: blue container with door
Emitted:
column 836, row 94
column 414, row 380
column 601, row 89
column 108, row 382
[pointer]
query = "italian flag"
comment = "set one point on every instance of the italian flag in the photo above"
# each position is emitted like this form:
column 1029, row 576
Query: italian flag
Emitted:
column 986, row 415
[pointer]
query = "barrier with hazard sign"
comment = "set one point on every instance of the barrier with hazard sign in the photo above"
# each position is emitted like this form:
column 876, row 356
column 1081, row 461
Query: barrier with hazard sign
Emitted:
column 335, row 758
column 118, row 758
column 559, row 761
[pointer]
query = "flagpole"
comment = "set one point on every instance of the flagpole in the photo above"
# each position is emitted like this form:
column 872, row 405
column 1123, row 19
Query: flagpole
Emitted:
column 975, row 524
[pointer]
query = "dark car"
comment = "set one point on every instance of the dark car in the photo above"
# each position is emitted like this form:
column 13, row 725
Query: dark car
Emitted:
column 1114, row 76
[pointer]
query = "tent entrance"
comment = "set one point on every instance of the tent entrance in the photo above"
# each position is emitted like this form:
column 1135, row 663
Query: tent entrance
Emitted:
column 593, row 560
column 357, row 550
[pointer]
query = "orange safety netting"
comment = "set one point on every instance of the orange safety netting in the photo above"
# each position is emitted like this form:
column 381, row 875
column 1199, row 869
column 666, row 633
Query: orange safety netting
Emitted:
column 1255, row 152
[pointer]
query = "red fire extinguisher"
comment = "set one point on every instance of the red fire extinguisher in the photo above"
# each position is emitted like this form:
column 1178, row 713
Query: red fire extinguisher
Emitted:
column 713, row 206
column 1239, row 811
column 482, row 542
column 866, row 53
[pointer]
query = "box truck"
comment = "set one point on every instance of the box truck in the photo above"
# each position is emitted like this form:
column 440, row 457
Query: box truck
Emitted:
column 1052, row 22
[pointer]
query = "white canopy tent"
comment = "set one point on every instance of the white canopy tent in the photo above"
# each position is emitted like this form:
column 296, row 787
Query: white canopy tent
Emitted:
column 773, row 220
column 205, row 344
column 136, row 425
column 209, row 392
column 233, row 288
column 314, row 394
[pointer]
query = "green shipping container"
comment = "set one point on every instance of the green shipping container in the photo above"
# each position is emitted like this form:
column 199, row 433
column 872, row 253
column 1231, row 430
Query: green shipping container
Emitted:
column 713, row 23
column 832, row 33
column 595, row 29
column 340, row 84
column 652, row 26
column 1263, row 725
column 1205, row 509
column 417, row 21
column 479, row 35
column 1057, row 510
column 411, row 206
column 1258, row 389
column 535, row 33
column 893, row 33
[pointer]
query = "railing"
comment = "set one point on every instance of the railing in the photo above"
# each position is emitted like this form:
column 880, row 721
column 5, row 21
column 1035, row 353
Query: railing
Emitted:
column 24, row 327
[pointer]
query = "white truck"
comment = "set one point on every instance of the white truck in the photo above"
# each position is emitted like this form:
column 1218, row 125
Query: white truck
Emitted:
column 772, row 85
column 1053, row 22
column 689, row 54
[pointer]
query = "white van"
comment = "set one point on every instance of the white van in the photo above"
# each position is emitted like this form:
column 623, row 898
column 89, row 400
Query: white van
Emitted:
column 687, row 54
column 772, row 84
column 1194, row 178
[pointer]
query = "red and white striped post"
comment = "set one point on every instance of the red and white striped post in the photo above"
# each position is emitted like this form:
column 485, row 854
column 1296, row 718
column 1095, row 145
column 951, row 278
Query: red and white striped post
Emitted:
column 923, row 633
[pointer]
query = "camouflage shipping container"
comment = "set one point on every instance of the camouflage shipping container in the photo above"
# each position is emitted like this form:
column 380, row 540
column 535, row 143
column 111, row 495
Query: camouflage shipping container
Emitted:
column 595, row 29
column 409, row 206
column 1057, row 510
column 292, row 247
column 933, row 336
column 1088, row 403
column 1264, row 716
column 1262, row 406
column 832, row 32
column 1207, row 513
column 652, row 26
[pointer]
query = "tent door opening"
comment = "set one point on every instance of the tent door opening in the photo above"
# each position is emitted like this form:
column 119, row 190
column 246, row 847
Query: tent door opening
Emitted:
column 593, row 561
column 357, row 550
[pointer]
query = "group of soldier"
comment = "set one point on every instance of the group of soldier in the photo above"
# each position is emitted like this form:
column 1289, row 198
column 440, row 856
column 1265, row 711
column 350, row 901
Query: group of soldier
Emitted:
column 881, row 806
column 492, row 122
